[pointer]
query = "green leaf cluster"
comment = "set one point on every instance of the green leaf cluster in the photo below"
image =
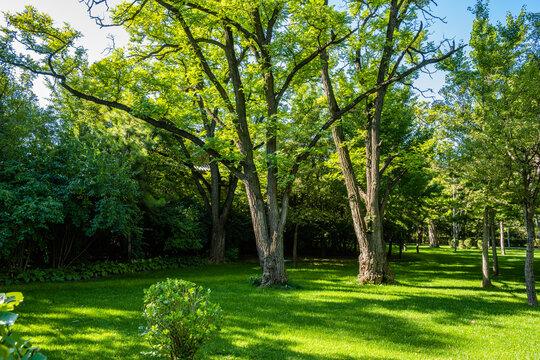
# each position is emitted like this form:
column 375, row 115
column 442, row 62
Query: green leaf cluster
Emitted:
column 11, row 346
column 180, row 318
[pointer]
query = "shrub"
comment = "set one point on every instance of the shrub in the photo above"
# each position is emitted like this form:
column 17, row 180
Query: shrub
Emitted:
column 179, row 318
column 468, row 243
column 479, row 243
column 98, row 269
column 11, row 346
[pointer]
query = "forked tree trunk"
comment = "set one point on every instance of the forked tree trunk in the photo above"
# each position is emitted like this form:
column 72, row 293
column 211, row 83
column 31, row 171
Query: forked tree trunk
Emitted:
column 493, row 242
column 528, row 213
column 433, row 236
column 501, row 229
column 372, row 262
column 486, row 282
column 268, row 234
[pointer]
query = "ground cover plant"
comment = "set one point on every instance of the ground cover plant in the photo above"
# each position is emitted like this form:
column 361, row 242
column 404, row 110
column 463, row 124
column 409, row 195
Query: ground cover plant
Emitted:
column 435, row 310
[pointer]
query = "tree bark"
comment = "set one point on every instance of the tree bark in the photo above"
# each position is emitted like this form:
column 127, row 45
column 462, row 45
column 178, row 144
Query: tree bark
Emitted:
column 493, row 241
column 501, row 227
column 486, row 282
column 528, row 213
column 433, row 236
column 372, row 263
column 295, row 246
column 419, row 239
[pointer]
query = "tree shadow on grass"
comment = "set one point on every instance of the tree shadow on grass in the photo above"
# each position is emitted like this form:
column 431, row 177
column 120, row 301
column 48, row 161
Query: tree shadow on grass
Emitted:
column 100, row 319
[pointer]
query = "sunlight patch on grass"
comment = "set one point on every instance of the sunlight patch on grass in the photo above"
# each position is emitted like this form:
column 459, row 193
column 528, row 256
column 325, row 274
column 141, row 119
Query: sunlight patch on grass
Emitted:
column 437, row 310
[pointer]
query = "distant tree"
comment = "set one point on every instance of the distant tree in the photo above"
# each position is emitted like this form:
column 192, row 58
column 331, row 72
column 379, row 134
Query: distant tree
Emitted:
column 496, row 99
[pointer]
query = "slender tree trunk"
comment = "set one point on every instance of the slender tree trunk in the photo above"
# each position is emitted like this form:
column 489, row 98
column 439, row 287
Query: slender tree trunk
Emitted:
column 486, row 282
column 433, row 237
column 493, row 242
column 295, row 246
column 537, row 228
column 389, row 253
column 419, row 239
column 501, row 227
column 528, row 213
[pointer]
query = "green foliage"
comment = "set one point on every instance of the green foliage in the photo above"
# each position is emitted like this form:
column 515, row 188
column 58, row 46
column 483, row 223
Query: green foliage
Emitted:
column 255, row 280
column 11, row 346
column 97, row 270
column 469, row 243
column 181, row 225
column 180, row 318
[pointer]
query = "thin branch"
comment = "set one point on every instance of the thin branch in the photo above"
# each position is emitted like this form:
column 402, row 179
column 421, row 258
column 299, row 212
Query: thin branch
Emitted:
column 387, row 162
column 389, row 187
column 307, row 60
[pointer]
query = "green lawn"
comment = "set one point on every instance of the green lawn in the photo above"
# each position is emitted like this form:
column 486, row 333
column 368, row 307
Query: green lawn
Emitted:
column 436, row 311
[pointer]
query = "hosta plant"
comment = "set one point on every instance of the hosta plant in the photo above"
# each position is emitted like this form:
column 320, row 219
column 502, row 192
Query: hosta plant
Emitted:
column 11, row 346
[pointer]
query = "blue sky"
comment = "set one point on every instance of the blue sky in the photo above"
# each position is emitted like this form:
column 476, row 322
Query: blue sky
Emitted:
column 458, row 25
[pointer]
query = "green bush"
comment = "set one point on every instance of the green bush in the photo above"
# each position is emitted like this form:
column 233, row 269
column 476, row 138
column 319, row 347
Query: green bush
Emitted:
column 97, row 269
column 179, row 318
column 468, row 243
column 11, row 346
column 479, row 243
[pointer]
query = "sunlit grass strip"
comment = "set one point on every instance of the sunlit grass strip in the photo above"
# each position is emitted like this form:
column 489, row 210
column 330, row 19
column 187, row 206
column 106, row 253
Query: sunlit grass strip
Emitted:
column 437, row 310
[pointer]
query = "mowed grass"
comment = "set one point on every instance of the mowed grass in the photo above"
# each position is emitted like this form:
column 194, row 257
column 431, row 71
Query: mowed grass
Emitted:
column 437, row 310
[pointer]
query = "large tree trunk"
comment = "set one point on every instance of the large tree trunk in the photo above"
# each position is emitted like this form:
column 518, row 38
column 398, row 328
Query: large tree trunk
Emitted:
column 486, row 282
column 268, row 237
column 528, row 213
column 493, row 242
column 373, row 265
column 501, row 229
column 217, row 241
column 433, row 236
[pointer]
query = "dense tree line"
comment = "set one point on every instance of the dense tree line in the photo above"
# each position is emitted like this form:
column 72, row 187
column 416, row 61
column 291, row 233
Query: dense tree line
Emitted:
column 310, row 107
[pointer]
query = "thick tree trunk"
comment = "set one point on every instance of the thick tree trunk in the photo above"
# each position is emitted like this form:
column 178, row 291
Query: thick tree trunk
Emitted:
column 268, row 238
column 493, row 242
column 528, row 213
column 373, row 265
column 501, row 229
column 486, row 282
column 217, row 241
column 433, row 237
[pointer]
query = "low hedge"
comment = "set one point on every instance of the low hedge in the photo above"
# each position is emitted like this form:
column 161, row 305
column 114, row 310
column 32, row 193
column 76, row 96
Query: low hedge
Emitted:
column 97, row 269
